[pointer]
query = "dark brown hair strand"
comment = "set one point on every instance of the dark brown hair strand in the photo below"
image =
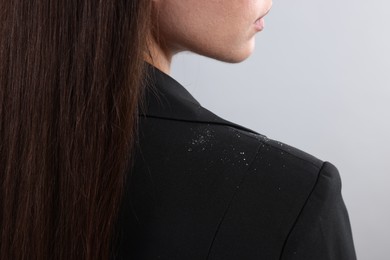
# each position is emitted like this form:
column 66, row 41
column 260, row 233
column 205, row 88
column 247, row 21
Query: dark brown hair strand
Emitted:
column 70, row 86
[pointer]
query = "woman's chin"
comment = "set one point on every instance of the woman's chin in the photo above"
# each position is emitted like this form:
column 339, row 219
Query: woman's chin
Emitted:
column 239, row 55
column 234, row 55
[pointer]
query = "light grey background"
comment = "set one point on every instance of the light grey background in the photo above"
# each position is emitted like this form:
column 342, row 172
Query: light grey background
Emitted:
column 319, row 80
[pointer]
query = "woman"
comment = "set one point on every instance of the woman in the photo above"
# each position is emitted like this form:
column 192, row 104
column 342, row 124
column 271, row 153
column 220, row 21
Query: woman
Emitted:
column 105, row 156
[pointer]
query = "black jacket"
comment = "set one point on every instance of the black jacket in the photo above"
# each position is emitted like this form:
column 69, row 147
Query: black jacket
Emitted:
column 206, row 188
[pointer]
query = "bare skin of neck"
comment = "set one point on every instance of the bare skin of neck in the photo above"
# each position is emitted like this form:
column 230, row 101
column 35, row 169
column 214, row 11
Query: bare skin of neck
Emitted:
column 158, row 56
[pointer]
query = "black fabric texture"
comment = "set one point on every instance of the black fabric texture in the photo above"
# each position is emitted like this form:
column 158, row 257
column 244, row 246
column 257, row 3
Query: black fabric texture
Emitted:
column 205, row 188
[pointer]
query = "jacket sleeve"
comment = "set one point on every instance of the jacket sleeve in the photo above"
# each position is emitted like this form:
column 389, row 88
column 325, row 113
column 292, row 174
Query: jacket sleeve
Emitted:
column 322, row 230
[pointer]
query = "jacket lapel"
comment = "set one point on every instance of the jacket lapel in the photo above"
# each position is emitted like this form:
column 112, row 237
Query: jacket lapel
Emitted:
column 164, row 97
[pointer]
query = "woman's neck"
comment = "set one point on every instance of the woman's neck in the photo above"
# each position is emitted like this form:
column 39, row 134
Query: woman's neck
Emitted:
column 158, row 57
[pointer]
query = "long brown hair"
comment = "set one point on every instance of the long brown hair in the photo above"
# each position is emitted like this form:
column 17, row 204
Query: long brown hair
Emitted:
column 70, row 77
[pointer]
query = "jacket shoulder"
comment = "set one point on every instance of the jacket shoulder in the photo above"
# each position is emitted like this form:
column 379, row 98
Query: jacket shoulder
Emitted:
column 288, row 205
column 267, row 201
column 322, row 230
column 280, row 152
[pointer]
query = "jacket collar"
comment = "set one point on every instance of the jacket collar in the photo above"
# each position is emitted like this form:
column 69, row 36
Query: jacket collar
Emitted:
column 164, row 97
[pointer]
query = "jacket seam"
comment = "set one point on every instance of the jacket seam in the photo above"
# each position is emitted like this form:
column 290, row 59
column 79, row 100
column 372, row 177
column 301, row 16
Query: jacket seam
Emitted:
column 231, row 200
column 300, row 212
